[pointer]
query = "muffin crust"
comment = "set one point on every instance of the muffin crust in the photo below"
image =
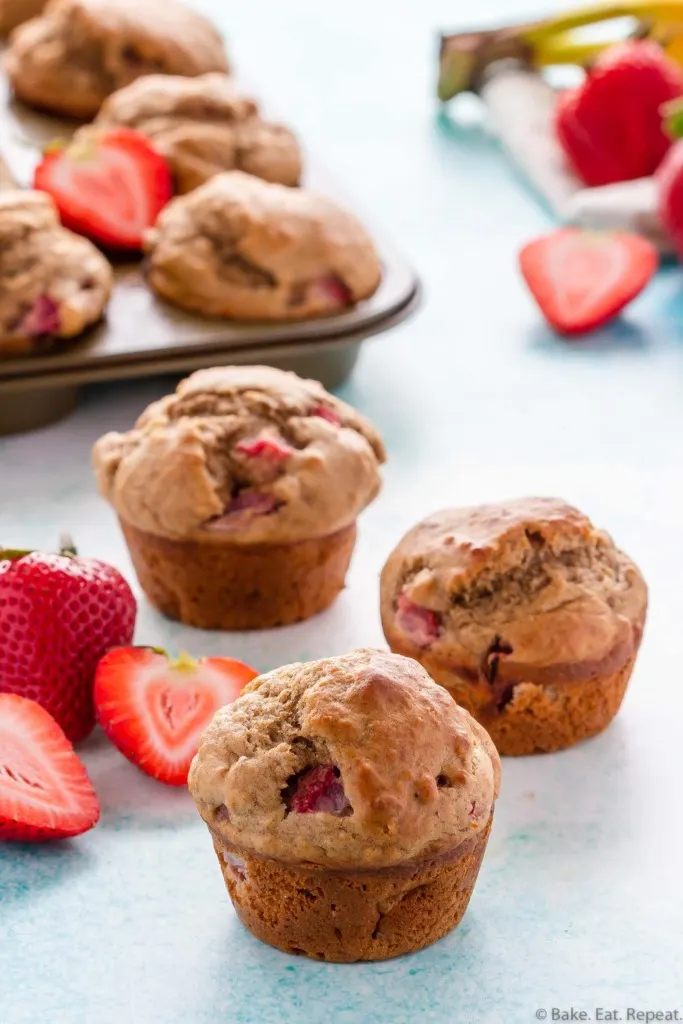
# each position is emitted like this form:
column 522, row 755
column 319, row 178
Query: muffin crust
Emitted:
column 77, row 52
column 418, row 776
column 528, row 614
column 204, row 126
column 14, row 12
column 53, row 283
column 244, row 455
column 242, row 248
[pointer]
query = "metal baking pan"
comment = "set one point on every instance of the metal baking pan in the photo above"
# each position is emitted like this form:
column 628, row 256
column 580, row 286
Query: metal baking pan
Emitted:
column 143, row 335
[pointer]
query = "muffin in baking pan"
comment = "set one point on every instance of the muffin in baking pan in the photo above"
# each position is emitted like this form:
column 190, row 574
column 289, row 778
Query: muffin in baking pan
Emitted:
column 238, row 496
column 242, row 248
column 529, row 615
column 73, row 55
column 203, row 126
column 350, row 802
column 53, row 283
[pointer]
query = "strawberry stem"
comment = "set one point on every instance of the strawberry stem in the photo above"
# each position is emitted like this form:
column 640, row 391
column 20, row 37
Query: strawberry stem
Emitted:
column 185, row 662
column 12, row 554
column 67, row 546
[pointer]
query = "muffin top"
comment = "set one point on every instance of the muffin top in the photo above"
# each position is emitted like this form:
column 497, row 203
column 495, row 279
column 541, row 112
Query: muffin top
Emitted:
column 356, row 761
column 70, row 58
column 203, row 126
column 525, row 590
column 53, row 283
column 242, row 454
column 244, row 248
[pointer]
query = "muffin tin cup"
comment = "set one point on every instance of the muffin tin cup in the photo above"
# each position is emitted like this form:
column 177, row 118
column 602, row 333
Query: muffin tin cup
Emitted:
column 347, row 916
column 143, row 335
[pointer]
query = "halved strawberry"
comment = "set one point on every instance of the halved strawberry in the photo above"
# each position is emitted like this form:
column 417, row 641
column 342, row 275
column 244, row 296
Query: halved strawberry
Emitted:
column 45, row 792
column 155, row 710
column 582, row 279
column 110, row 187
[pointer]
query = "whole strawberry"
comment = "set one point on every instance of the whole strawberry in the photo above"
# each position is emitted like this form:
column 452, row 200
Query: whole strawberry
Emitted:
column 669, row 178
column 58, row 615
column 610, row 126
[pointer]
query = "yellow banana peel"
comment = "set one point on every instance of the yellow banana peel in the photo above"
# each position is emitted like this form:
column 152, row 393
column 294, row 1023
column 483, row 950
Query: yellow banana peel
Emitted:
column 465, row 56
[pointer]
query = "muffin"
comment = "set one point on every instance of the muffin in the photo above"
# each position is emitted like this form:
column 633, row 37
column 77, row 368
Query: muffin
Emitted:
column 203, row 126
column 238, row 496
column 243, row 248
column 53, row 284
column 525, row 612
column 70, row 58
column 14, row 12
column 350, row 801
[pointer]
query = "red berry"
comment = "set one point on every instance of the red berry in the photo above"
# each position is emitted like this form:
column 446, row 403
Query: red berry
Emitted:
column 110, row 187
column 319, row 790
column 326, row 414
column 670, row 189
column 264, row 447
column 58, row 616
column 610, row 127
column 155, row 710
column 582, row 279
column 45, row 792
column 420, row 625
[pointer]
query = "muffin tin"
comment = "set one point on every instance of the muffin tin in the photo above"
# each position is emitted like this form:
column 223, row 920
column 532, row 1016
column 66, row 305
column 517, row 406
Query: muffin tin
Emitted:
column 39, row 389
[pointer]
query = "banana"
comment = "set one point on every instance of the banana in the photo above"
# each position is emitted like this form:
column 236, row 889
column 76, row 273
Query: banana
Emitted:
column 464, row 56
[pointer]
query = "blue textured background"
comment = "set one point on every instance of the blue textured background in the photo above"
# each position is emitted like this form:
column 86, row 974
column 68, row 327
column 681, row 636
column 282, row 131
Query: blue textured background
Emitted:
column 579, row 900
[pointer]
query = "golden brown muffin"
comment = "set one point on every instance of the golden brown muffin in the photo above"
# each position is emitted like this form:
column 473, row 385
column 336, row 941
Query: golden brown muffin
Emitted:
column 69, row 59
column 525, row 612
column 349, row 801
column 14, row 12
column 203, row 126
column 53, row 283
column 242, row 248
column 238, row 496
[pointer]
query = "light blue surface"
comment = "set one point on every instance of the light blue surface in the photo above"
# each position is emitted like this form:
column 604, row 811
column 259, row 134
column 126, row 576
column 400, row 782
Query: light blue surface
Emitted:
column 579, row 900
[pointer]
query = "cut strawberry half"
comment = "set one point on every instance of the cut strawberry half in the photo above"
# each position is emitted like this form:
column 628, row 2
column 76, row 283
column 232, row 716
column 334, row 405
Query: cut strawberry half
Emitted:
column 45, row 792
column 110, row 187
column 582, row 279
column 155, row 710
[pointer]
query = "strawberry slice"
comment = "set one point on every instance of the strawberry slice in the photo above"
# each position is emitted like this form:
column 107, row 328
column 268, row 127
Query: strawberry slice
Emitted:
column 582, row 279
column 265, row 447
column 45, row 792
column 110, row 187
column 155, row 710
column 326, row 414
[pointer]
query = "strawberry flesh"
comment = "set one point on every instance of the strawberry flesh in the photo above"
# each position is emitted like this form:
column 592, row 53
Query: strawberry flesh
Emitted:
column 236, row 866
column 110, row 188
column 319, row 791
column 58, row 616
column 266, row 447
column 583, row 279
column 41, row 319
column 155, row 710
column 326, row 414
column 330, row 291
column 421, row 625
column 243, row 507
column 45, row 792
